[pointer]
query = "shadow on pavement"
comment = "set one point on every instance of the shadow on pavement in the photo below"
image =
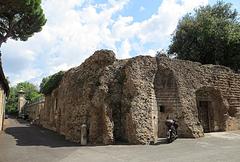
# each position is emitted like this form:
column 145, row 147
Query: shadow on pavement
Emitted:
column 34, row 136
column 30, row 135
column 161, row 141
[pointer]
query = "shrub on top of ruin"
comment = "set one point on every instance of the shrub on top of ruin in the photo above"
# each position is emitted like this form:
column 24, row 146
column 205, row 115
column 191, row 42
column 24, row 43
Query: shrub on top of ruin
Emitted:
column 50, row 83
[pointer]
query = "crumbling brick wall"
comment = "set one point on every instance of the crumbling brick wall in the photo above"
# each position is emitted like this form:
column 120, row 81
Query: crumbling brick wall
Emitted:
column 129, row 100
column 192, row 76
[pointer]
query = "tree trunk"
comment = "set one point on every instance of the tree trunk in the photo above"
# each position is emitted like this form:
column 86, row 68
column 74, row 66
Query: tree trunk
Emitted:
column 1, row 42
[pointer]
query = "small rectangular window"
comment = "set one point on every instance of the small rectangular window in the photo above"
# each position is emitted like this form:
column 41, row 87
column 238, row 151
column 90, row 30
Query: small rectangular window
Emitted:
column 162, row 109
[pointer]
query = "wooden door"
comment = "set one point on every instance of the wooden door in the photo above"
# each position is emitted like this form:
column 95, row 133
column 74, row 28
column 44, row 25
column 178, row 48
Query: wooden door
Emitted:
column 203, row 114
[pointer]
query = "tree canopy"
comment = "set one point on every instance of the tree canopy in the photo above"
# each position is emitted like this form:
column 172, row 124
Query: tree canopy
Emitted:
column 210, row 35
column 20, row 19
column 31, row 94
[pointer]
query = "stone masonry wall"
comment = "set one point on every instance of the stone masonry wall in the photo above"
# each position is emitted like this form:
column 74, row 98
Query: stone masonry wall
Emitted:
column 33, row 111
column 104, row 94
column 138, row 89
column 167, row 97
column 49, row 114
column 190, row 77
column 129, row 100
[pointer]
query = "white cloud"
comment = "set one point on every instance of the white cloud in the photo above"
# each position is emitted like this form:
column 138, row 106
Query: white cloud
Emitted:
column 158, row 29
column 81, row 32
column 125, row 49
column 151, row 52
column 162, row 24
column 76, row 29
column 28, row 74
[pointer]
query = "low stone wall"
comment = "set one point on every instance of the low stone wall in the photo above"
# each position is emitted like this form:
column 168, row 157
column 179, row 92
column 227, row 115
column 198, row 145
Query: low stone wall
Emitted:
column 49, row 115
column 129, row 100
column 33, row 111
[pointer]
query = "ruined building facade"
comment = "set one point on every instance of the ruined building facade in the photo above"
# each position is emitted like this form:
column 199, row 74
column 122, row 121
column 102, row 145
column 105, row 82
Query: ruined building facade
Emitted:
column 129, row 100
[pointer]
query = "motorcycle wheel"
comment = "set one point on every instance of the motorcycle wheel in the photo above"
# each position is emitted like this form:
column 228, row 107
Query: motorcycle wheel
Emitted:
column 169, row 139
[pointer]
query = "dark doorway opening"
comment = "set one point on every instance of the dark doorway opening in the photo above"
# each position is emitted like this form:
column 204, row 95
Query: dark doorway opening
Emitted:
column 211, row 109
column 118, row 131
column 204, row 115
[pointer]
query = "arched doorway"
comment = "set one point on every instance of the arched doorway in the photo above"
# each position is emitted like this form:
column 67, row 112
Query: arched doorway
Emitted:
column 210, row 109
column 166, row 92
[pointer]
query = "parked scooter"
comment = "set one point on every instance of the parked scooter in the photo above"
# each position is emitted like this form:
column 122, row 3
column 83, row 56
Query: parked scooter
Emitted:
column 171, row 130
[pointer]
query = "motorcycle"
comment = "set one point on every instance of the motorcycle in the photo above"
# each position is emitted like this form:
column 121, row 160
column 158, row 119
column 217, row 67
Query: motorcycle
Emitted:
column 171, row 134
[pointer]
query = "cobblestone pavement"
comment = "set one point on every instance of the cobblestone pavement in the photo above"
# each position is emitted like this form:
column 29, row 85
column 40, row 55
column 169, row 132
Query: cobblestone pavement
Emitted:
column 21, row 142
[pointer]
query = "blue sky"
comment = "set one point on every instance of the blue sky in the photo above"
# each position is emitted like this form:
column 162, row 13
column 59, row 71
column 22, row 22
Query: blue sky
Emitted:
column 76, row 29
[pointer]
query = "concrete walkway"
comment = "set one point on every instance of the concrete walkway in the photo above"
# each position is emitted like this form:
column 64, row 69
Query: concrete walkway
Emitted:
column 24, row 143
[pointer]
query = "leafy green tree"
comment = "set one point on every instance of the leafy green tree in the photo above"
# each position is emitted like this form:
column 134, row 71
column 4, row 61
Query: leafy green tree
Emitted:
column 31, row 91
column 31, row 94
column 20, row 19
column 211, row 35
column 12, row 101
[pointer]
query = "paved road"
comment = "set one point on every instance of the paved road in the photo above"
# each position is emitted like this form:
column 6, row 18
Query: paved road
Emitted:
column 24, row 143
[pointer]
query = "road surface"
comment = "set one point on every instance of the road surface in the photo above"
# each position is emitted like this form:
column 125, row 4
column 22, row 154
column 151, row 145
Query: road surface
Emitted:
column 21, row 142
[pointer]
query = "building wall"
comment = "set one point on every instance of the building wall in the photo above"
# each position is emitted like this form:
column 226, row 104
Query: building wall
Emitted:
column 211, row 109
column 108, row 98
column 166, row 90
column 33, row 111
column 2, row 107
column 191, row 77
column 140, row 100
column 48, row 115
column 129, row 100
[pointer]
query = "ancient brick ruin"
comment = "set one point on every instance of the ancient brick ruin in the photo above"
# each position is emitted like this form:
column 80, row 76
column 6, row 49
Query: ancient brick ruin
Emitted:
column 129, row 100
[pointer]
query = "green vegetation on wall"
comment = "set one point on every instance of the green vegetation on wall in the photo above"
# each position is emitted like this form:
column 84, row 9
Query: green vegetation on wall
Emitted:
column 50, row 83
